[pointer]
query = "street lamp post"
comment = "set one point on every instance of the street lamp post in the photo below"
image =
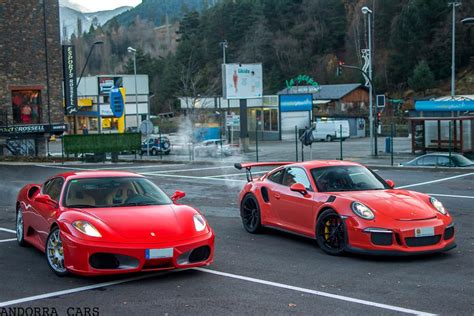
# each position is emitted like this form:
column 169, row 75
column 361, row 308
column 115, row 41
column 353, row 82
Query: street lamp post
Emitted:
column 453, row 46
column 134, row 52
column 368, row 12
column 224, row 44
column 80, row 77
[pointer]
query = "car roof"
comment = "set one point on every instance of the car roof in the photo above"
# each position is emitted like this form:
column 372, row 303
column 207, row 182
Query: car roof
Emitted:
column 439, row 154
column 323, row 163
column 97, row 174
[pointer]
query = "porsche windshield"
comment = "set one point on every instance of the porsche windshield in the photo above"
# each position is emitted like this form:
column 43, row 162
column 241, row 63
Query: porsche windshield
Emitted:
column 113, row 192
column 346, row 178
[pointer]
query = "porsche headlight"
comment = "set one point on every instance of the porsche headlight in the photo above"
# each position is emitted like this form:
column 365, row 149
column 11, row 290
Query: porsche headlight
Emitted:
column 199, row 222
column 438, row 205
column 86, row 228
column 362, row 211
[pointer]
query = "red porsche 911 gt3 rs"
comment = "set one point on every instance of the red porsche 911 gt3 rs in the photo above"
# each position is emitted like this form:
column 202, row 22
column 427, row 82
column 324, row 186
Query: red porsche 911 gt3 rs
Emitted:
column 345, row 207
column 107, row 222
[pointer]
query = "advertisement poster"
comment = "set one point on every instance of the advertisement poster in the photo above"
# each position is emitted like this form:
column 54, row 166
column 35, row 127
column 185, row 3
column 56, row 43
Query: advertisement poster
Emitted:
column 243, row 81
column 69, row 73
column 107, row 83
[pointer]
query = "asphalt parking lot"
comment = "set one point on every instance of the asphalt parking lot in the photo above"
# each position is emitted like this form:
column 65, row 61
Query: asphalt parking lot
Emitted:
column 270, row 273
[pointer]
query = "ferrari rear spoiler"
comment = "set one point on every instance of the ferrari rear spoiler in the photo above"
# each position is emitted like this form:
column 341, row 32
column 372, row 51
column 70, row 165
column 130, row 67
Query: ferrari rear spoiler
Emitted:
column 249, row 165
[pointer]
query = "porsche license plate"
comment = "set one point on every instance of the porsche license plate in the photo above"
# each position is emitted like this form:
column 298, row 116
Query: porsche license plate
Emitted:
column 424, row 232
column 159, row 253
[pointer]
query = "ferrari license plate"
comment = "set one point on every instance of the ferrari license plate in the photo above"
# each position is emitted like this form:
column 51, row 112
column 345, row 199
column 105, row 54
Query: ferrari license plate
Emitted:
column 159, row 253
column 424, row 232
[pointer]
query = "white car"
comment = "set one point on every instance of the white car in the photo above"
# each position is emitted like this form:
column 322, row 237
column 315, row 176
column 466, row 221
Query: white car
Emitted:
column 212, row 148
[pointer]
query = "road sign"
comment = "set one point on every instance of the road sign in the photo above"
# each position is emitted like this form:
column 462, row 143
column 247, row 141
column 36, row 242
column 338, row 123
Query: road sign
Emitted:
column 146, row 127
column 232, row 120
column 380, row 100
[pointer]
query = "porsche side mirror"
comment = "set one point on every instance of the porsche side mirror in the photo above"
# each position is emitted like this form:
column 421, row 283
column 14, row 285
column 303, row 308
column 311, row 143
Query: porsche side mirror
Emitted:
column 298, row 187
column 390, row 183
column 46, row 199
column 178, row 195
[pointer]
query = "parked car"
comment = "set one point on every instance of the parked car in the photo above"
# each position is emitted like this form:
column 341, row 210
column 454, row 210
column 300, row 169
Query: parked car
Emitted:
column 331, row 130
column 439, row 160
column 212, row 148
column 156, row 145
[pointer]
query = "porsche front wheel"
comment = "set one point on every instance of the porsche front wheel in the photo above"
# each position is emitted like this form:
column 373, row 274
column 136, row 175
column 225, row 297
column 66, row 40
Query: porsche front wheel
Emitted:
column 330, row 233
column 20, row 228
column 250, row 213
column 55, row 252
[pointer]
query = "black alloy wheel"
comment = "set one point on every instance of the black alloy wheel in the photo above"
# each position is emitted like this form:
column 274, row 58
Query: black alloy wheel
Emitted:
column 250, row 213
column 330, row 233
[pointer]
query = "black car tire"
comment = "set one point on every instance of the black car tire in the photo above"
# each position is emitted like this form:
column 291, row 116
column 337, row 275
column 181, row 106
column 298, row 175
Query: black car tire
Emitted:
column 250, row 214
column 331, row 233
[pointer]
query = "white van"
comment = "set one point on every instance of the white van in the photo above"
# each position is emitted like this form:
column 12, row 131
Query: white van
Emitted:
column 330, row 130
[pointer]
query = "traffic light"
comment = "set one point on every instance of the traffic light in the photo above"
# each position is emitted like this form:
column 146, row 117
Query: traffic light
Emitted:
column 340, row 63
column 377, row 120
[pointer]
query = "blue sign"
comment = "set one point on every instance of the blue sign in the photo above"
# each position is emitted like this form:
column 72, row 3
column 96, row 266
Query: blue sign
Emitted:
column 296, row 102
column 116, row 102
column 451, row 105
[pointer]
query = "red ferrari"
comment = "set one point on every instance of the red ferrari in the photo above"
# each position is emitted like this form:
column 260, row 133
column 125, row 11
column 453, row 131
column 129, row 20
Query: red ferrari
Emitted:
column 345, row 207
column 103, row 222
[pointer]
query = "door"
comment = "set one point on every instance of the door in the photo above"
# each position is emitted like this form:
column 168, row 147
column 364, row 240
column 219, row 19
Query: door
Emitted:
column 294, row 209
column 45, row 211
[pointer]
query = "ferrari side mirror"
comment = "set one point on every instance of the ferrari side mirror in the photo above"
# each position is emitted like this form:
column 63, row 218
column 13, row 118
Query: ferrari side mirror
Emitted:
column 46, row 199
column 177, row 195
column 390, row 183
column 298, row 187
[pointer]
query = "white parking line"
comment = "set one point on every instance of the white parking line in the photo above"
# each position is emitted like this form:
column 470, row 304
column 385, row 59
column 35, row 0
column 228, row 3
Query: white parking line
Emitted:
column 235, row 174
column 436, row 181
column 70, row 291
column 452, row 196
column 123, row 166
column 189, row 177
column 5, row 240
column 7, row 230
column 185, row 170
column 318, row 293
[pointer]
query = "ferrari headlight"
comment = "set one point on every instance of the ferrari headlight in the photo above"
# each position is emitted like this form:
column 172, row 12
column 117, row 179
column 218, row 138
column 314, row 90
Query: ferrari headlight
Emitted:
column 362, row 211
column 86, row 228
column 438, row 205
column 199, row 222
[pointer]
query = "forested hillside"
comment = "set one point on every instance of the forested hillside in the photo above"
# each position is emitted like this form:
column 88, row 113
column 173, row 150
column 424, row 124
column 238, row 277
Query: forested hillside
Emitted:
column 291, row 37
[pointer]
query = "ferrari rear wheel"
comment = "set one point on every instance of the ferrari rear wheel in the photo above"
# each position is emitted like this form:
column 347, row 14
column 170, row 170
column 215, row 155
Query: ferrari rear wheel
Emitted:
column 20, row 228
column 330, row 233
column 55, row 253
column 250, row 213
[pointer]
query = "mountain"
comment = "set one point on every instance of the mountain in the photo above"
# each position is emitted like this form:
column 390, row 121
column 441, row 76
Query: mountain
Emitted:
column 157, row 11
column 69, row 18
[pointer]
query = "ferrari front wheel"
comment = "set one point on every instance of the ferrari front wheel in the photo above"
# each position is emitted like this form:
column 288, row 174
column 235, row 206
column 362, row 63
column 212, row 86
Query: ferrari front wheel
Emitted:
column 20, row 228
column 250, row 213
column 330, row 233
column 55, row 253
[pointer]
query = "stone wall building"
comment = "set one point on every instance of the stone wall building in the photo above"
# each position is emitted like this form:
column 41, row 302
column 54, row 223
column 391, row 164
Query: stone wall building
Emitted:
column 31, row 102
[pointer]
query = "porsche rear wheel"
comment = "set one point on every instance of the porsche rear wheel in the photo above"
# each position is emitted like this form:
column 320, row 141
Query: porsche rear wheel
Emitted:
column 330, row 233
column 250, row 213
column 55, row 253
column 20, row 228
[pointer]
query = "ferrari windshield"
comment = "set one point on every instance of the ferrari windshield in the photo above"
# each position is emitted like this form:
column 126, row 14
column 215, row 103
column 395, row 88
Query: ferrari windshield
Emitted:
column 346, row 178
column 113, row 192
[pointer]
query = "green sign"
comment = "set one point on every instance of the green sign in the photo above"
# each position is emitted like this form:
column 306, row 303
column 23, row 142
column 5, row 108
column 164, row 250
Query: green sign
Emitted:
column 307, row 80
column 101, row 143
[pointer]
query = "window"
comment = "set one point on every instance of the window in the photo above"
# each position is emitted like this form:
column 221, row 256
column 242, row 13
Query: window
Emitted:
column 276, row 176
column 444, row 161
column 346, row 178
column 296, row 175
column 270, row 120
column 53, row 188
column 427, row 161
column 26, row 106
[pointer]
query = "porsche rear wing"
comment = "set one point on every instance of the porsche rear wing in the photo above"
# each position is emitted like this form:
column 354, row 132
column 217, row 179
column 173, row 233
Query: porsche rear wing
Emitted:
column 248, row 166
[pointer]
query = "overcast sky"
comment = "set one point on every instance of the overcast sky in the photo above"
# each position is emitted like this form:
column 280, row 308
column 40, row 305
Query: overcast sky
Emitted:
column 98, row 5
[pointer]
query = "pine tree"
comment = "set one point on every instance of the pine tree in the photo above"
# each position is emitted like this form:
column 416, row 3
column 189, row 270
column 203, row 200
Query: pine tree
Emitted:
column 422, row 78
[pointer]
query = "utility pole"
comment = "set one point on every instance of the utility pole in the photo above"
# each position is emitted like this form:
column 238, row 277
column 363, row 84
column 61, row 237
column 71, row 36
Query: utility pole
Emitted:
column 453, row 49
column 368, row 12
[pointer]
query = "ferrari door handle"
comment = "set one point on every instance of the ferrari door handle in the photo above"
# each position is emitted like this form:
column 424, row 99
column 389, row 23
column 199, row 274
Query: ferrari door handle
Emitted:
column 276, row 196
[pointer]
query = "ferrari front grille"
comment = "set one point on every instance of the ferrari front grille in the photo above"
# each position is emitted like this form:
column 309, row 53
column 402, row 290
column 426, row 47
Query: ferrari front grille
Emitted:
column 449, row 233
column 110, row 261
column 422, row 241
column 200, row 254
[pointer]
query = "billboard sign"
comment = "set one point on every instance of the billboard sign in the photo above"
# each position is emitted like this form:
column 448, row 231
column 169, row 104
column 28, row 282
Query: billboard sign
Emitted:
column 69, row 75
column 107, row 83
column 243, row 81
column 451, row 105
column 116, row 102
column 296, row 102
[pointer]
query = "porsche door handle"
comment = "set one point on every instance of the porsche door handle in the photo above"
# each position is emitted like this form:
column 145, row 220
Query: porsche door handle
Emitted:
column 276, row 196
